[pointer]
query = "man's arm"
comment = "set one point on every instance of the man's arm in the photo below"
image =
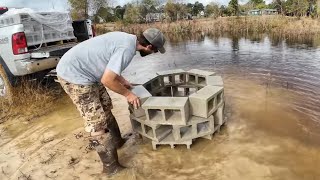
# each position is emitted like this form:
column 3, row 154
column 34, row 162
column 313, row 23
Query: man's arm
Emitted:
column 124, row 82
column 111, row 80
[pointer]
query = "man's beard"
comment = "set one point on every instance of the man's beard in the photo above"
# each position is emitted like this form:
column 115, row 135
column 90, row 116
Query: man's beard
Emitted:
column 143, row 54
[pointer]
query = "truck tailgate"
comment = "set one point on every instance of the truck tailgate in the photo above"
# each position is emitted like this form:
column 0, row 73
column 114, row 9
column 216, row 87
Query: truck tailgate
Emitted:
column 55, row 50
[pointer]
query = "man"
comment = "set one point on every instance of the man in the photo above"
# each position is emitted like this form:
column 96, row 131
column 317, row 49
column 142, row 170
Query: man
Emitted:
column 87, row 69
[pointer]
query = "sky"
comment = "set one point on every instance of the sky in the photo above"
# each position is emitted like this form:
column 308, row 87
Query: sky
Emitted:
column 62, row 5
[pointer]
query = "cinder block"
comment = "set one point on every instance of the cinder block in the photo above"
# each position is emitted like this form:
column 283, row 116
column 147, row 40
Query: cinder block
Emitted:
column 169, row 140
column 173, row 77
column 136, row 126
column 174, row 71
column 155, row 85
column 196, row 127
column 201, row 72
column 167, row 110
column 149, row 130
column 169, row 91
column 195, row 79
column 209, row 137
column 198, row 77
column 205, row 101
column 214, row 81
column 143, row 95
column 219, row 116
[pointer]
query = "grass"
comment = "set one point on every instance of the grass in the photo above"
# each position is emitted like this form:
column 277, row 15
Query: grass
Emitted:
column 280, row 25
column 29, row 100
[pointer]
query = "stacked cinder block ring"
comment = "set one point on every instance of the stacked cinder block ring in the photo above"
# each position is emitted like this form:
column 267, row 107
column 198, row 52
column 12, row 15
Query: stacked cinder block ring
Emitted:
column 178, row 107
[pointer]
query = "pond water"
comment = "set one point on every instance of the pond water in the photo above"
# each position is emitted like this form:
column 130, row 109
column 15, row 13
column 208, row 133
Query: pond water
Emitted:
column 272, row 90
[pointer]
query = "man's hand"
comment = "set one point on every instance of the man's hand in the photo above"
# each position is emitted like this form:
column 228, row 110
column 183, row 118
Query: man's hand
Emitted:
column 134, row 100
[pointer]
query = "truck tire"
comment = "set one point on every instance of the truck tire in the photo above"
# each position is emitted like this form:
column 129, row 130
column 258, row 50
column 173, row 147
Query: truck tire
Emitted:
column 6, row 89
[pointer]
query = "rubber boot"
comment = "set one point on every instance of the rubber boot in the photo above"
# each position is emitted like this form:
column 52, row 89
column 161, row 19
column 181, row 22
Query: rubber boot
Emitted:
column 108, row 155
column 115, row 133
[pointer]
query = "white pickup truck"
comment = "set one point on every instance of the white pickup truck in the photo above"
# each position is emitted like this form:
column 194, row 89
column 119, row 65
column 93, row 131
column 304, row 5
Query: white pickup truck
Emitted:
column 31, row 44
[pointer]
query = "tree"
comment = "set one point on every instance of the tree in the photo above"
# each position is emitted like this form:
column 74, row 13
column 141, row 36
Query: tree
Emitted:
column 234, row 7
column 147, row 6
column 81, row 9
column 189, row 7
column 279, row 5
column 105, row 14
column 170, row 10
column 132, row 14
column 197, row 8
column 224, row 11
column 256, row 2
column 297, row 7
column 119, row 12
column 212, row 9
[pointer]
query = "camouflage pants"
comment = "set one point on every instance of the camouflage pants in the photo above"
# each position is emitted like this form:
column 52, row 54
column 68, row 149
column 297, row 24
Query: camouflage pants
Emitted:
column 93, row 102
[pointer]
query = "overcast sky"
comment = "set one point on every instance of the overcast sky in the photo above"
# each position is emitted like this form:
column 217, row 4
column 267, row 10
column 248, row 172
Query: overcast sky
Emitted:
column 62, row 5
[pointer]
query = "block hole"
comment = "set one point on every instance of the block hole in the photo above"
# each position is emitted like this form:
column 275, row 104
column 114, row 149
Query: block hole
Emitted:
column 202, row 80
column 203, row 127
column 172, row 114
column 163, row 131
column 158, row 94
column 149, row 131
column 179, row 78
column 185, row 132
column 192, row 79
column 155, row 114
column 220, row 98
column 155, row 83
column 148, row 87
column 211, row 104
column 136, row 126
column 217, row 118
column 168, row 80
column 181, row 92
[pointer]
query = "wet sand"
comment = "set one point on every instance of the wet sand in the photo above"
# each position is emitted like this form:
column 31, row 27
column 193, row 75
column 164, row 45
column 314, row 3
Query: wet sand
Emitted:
column 265, row 138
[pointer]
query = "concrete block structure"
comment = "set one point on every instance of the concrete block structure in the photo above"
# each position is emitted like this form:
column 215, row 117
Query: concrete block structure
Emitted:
column 152, row 131
column 173, row 77
column 167, row 110
column 143, row 95
column 197, row 127
column 205, row 101
column 169, row 140
column 179, row 107
column 214, row 81
column 155, row 85
column 198, row 77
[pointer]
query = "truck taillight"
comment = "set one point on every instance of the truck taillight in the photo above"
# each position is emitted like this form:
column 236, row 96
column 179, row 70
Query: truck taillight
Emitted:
column 19, row 43
column 93, row 30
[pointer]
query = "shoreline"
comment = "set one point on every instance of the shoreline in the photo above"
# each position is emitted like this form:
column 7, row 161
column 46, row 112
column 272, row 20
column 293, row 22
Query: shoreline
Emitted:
column 282, row 26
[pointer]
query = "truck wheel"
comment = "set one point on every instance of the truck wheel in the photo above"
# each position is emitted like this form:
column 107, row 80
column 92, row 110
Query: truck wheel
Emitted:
column 5, row 85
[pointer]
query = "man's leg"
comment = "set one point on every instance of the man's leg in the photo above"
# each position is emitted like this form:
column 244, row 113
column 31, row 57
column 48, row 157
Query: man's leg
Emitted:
column 87, row 100
column 112, row 125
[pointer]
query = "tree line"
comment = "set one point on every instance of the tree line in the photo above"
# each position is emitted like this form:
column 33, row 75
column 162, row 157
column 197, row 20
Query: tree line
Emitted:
column 172, row 10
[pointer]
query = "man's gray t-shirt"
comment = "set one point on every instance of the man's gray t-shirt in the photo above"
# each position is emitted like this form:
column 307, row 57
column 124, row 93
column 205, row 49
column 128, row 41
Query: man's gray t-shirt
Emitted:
column 86, row 62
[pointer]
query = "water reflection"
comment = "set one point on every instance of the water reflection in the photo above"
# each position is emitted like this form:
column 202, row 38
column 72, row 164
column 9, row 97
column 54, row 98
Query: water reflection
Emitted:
column 292, row 64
